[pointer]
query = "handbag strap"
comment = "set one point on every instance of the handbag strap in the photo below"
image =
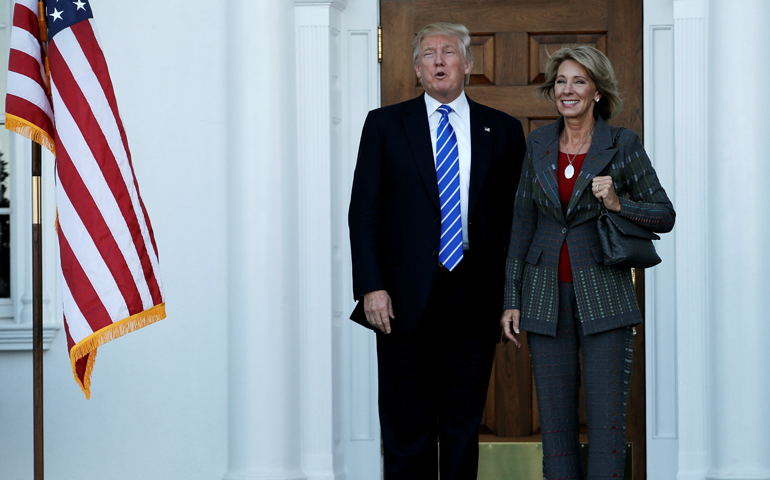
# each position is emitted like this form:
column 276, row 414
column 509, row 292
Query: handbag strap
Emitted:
column 604, row 170
column 617, row 136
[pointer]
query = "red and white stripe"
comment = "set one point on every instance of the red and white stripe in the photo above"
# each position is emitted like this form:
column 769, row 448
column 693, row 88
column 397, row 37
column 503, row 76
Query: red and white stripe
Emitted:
column 102, row 219
column 27, row 97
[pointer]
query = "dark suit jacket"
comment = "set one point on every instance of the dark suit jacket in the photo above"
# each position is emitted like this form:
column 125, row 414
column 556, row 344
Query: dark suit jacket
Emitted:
column 394, row 214
column 605, row 295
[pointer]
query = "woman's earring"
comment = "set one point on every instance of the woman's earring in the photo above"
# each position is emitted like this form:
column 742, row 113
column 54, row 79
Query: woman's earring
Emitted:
column 597, row 100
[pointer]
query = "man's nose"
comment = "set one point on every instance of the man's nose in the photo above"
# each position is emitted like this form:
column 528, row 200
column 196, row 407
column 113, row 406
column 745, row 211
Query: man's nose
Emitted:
column 439, row 59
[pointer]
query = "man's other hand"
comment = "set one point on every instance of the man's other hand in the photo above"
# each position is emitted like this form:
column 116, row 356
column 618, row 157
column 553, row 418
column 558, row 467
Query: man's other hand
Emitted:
column 379, row 310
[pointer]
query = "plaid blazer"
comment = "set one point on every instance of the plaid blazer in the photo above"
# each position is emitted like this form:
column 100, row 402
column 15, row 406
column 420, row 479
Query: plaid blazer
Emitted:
column 605, row 295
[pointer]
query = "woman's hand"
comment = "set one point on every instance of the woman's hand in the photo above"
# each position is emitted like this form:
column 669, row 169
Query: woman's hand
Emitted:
column 603, row 190
column 510, row 323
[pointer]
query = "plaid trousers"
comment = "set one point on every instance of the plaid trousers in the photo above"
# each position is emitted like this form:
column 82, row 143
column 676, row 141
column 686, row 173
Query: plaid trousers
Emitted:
column 607, row 360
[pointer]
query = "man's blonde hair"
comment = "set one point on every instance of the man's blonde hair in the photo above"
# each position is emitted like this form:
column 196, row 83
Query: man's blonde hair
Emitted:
column 450, row 30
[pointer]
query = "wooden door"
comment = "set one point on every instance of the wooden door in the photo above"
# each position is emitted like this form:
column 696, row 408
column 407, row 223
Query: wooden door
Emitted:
column 511, row 40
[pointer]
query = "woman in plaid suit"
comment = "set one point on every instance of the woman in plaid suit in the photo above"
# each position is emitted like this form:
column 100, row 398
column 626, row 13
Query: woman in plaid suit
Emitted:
column 557, row 287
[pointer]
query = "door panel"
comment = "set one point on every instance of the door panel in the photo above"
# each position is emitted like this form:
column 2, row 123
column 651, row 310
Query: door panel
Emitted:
column 511, row 42
column 515, row 15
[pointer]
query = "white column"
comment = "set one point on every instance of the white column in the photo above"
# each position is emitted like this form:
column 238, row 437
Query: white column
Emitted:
column 692, row 174
column 738, row 229
column 263, row 294
column 318, row 117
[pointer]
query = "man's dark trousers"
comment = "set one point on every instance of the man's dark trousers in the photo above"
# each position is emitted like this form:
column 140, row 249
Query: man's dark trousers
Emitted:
column 433, row 383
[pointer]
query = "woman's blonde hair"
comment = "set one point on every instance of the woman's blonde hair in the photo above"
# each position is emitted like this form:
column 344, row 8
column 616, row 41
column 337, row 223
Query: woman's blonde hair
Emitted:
column 599, row 69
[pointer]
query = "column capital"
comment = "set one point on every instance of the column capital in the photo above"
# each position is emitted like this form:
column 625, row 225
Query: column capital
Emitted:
column 338, row 4
column 691, row 9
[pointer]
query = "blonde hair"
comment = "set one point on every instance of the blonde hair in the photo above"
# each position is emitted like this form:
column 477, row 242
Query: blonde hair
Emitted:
column 450, row 30
column 599, row 69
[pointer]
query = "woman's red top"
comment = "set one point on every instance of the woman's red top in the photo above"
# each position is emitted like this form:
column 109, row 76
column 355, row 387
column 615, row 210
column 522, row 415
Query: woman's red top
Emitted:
column 566, row 185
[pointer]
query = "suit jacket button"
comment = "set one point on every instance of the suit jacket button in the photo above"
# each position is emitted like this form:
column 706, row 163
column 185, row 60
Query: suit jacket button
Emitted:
column 563, row 231
column 437, row 220
column 435, row 252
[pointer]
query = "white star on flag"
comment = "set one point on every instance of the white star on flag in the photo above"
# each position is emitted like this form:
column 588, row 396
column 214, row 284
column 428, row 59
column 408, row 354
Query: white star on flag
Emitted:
column 80, row 5
column 56, row 14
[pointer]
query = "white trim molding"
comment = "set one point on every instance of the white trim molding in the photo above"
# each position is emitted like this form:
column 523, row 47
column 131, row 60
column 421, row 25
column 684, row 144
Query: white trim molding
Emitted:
column 661, row 292
column 16, row 329
column 357, row 428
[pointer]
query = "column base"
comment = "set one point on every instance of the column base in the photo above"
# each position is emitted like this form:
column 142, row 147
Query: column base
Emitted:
column 738, row 476
column 265, row 476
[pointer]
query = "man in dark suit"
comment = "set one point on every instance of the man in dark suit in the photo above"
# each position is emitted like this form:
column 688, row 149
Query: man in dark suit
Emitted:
column 430, row 217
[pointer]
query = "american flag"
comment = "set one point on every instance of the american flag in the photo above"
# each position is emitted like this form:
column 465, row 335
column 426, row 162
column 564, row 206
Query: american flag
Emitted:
column 60, row 95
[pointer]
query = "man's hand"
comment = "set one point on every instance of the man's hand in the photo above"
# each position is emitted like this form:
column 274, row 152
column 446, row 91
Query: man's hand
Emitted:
column 379, row 310
column 510, row 322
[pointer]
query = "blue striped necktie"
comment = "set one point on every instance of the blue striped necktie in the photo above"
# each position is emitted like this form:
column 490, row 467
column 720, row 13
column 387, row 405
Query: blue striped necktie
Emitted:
column 448, row 174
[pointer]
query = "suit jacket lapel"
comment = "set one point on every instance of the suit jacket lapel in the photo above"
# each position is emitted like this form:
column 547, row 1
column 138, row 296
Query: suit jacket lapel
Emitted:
column 418, row 135
column 598, row 156
column 545, row 158
column 481, row 151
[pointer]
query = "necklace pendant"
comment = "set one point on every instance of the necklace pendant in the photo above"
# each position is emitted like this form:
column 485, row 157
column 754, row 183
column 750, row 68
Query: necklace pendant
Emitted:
column 569, row 172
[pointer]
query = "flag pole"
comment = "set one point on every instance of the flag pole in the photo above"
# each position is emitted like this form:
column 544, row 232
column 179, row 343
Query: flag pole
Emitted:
column 37, row 276
column 37, row 309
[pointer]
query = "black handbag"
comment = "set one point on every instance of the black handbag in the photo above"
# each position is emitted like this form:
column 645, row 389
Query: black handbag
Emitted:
column 625, row 244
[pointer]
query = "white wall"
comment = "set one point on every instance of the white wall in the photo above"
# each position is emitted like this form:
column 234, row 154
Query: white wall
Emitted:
column 159, row 395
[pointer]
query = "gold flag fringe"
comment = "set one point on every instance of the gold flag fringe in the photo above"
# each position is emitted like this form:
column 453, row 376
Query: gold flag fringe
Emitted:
column 29, row 130
column 88, row 345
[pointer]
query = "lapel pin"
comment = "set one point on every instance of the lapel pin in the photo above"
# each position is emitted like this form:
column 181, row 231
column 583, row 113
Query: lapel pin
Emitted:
column 486, row 129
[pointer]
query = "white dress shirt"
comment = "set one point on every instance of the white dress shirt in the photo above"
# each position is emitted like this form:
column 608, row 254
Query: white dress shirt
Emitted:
column 460, row 118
